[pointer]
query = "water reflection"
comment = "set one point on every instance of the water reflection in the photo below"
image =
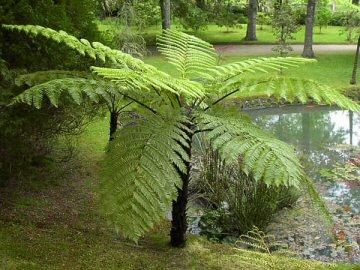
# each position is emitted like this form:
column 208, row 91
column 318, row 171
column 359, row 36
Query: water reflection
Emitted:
column 323, row 137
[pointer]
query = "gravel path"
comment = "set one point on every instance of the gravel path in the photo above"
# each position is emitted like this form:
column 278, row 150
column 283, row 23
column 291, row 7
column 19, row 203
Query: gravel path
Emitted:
column 267, row 49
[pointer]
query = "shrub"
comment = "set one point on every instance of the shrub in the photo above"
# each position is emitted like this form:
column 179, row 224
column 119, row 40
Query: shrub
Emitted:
column 234, row 202
column 27, row 135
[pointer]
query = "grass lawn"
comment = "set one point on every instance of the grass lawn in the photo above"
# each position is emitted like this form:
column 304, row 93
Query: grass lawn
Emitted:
column 52, row 223
column 331, row 69
column 218, row 35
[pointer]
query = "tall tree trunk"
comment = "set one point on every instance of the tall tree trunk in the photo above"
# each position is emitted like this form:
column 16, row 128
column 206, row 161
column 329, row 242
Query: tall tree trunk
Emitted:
column 179, row 206
column 165, row 6
column 356, row 61
column 251, row 26
column 309, row 28
column 113, row 124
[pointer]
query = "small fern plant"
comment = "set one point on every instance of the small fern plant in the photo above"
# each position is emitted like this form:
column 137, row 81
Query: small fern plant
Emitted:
column 148, row 166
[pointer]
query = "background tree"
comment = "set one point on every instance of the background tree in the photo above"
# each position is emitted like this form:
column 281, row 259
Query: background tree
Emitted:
column 165, row 6
column 309, row 29
column 251, row 25
column 284, row 26
column 323, row 15
column 356, row 61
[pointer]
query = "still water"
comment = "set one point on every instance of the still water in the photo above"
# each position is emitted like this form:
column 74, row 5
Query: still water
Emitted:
column 325, row 138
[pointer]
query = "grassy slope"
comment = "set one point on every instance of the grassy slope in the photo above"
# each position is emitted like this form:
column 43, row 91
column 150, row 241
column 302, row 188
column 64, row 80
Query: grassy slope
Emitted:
column 218, row 35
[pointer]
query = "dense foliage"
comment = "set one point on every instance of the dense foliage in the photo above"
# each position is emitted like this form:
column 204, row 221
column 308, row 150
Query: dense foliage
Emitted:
column 28, row 140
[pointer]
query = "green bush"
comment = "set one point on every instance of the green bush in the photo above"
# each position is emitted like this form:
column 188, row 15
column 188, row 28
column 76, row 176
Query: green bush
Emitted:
column 27, row 135
column 235, row 202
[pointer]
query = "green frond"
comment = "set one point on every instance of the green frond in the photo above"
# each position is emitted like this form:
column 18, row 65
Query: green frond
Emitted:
column 266, row 158
column 95, row 50
column 140, row 175
column 292, row 90
column 256, row 65
column 148, row 81
column 76, row 88
column 40, row 77
column 190, row 55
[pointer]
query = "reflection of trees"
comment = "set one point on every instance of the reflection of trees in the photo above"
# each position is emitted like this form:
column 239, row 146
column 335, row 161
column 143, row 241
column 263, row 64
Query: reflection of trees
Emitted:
column 313, row 133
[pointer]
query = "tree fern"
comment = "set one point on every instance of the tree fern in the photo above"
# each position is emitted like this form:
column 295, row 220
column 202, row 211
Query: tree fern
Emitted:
column 149, row 162
column 140, row 172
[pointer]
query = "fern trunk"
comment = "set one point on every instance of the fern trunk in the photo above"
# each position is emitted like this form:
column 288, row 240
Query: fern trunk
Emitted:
column 113, row 124
column 179, row 218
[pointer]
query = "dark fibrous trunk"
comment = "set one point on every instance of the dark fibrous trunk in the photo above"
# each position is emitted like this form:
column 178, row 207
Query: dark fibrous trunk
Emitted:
column 309, row 28
column 165, row 6
column 113, row 124
column 251, row 26
column 356, row 61
column 179, row 218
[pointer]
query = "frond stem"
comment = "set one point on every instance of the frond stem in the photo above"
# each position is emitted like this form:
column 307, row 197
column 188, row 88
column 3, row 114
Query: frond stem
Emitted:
column 229, row 94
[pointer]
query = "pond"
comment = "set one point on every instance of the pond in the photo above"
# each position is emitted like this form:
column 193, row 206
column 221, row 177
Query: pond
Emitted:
column 327, row 139
column 328, row 142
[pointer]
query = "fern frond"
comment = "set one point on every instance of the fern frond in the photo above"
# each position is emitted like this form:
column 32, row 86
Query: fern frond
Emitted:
column 76, row 88
column 190, row 55
column 266, row 158
column 287, row 89
column 263, row 65
column 149, row 81
column 95, row 50
column 140, row 179
column 39, row 77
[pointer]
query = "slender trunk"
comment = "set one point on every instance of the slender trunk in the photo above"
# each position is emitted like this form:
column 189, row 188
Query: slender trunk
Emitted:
column 251, row 26
column 309, row 28
column 179, row 219
column 113, row 124
column 165, row 6
column 356, row 61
